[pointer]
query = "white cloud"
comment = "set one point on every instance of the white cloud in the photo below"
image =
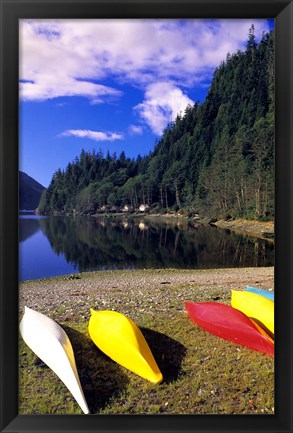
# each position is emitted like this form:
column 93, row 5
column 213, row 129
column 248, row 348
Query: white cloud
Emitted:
column 46, row 88
column 74, row 57
column 163, row 102
column 162, row 58
column 135, row 130
column 92, row 135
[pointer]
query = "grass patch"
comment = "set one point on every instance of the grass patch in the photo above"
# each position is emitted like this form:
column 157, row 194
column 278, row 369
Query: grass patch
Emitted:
column 203, row 374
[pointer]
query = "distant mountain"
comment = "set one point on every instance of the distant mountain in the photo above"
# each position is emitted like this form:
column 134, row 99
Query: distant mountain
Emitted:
column 29, row 192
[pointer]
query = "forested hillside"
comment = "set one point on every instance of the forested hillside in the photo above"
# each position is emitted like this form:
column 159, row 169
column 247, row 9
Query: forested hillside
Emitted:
column 216, row 159
column 29, row 192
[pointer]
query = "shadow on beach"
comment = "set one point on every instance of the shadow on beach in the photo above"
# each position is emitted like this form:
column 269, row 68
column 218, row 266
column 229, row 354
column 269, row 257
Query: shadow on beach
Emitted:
column 100, row 377
column 167, row 352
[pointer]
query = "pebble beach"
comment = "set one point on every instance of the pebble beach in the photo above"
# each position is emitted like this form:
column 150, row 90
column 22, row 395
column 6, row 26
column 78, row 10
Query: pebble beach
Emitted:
column 134, row 292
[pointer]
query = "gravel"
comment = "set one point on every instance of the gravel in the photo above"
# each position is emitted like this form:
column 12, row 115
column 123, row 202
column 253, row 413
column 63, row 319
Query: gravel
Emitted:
column 137, row 292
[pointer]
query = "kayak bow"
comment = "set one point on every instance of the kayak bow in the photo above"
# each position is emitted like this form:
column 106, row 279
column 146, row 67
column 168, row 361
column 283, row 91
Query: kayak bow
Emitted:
column 120, row 338
column 257, row 307
column 51, row 344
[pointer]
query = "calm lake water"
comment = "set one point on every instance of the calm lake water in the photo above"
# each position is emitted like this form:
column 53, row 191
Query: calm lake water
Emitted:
column 51, row 246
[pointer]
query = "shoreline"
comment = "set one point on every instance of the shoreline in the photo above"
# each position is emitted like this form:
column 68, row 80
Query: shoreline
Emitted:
column 259, row 229
column 137, row 291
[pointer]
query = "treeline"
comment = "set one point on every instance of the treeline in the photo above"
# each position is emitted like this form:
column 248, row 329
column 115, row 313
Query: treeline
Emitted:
column 216, row 159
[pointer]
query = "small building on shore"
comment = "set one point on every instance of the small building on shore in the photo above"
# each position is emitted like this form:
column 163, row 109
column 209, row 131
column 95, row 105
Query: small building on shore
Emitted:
column 143, row 207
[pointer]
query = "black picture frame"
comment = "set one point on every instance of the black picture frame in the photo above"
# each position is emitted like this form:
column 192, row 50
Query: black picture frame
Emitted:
column 11, row 12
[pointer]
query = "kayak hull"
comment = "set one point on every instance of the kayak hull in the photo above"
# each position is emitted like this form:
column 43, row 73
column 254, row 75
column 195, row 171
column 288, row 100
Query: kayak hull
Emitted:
column 51, row 344
column 266, row 293
column 120, row 338
column 255, row 306
column 230, row 324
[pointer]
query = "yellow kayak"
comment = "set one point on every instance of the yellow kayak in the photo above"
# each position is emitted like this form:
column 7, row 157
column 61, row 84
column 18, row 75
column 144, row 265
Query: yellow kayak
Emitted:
column 255, row 306
column 120, row 338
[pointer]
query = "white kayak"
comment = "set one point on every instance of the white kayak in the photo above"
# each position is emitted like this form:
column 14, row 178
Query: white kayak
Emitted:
column 51, row 344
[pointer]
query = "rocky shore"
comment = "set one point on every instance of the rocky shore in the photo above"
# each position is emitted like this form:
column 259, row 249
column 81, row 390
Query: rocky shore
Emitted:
column 259, row 229
column 137, row 292
column 254, row 228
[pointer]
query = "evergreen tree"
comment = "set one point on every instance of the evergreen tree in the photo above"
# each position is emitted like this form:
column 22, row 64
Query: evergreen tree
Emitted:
column 216, row 158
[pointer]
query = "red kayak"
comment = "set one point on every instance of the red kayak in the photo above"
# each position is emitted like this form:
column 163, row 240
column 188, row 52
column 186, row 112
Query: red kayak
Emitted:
column 230, row 324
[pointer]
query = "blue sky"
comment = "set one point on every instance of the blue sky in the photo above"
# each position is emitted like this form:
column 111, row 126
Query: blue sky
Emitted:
column 113, row 84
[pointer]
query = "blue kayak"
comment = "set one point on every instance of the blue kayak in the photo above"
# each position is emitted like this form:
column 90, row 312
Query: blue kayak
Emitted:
column 265, row 293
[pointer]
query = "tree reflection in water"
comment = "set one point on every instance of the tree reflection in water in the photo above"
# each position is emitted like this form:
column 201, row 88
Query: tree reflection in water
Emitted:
column 112, row 243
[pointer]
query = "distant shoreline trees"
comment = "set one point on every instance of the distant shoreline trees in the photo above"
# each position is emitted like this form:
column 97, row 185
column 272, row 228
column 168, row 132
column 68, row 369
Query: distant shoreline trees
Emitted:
column 217, row 159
